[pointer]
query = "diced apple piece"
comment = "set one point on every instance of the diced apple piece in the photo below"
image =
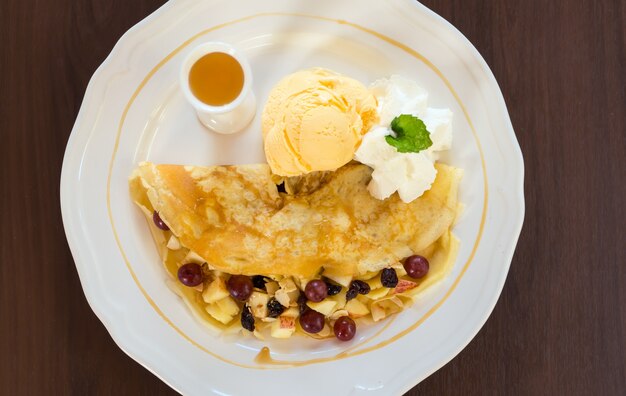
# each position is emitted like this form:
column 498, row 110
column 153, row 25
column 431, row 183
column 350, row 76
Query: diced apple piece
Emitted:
column 293, row 297
column 288, row 292
column 324, row 307
column 215, row 291
column 174, row 258
column 284, row 327
column 400, row 271
column 341, row 279
column 283, row 297
column 173, row 243
column 356, row 309
column 261, row 325
column 193, row 257
column 338, row 314
column 215, row 311
column 258, row 304
column 287, row 284
column 292, row 312
column 229, row 306
column 404, row 285
column 271, row 287
column 301, row 282
column 339, row 298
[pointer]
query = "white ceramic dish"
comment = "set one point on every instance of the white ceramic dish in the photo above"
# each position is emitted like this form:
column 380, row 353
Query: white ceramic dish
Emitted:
column 134, row 110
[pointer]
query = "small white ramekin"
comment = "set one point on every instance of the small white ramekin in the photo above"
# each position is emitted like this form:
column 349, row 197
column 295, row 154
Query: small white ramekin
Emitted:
column 231, row 117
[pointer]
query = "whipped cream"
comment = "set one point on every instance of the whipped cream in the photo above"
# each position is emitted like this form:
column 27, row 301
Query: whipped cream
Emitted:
column 410, row 174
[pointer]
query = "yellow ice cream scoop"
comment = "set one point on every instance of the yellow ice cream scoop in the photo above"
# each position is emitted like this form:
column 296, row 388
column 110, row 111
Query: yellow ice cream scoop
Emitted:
column 314, row 121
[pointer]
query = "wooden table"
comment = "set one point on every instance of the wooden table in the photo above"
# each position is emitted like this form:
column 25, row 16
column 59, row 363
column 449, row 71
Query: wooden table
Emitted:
column 559, row 327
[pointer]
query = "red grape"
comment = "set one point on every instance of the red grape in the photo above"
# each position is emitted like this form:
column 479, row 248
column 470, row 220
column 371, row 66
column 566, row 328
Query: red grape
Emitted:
column 416, row 266
column 312, row 321
column 316, row 290
column 159, row 222
column 190, row 274
column 345, row 328
column 240, row 287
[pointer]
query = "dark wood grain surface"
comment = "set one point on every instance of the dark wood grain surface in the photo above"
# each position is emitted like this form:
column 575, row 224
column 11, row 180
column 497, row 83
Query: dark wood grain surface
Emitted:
column 559, row 327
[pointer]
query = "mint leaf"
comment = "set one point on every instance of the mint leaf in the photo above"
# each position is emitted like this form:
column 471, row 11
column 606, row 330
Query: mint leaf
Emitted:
column 411, row 134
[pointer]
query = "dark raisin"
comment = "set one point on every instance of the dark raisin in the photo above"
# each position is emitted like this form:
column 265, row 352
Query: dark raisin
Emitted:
column 247, row 320
column 259, row 281
column 352, row 292
column 281, row 187
column 333, row 289
column 389, row 278
column 274, row 308
column 362, row 287
column 302, row 303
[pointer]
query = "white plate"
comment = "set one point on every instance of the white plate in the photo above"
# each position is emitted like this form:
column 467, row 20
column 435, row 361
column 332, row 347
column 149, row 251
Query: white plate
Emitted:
column 134, row 110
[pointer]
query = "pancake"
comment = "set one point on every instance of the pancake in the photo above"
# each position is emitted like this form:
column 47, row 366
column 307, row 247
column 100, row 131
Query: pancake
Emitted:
column 236, row 220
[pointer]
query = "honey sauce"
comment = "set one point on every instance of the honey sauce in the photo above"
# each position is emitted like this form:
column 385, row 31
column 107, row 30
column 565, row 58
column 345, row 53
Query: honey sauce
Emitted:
column 216, row 79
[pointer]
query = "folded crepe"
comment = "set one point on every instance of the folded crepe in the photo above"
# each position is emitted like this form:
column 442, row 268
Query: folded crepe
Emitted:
column 235, row 218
